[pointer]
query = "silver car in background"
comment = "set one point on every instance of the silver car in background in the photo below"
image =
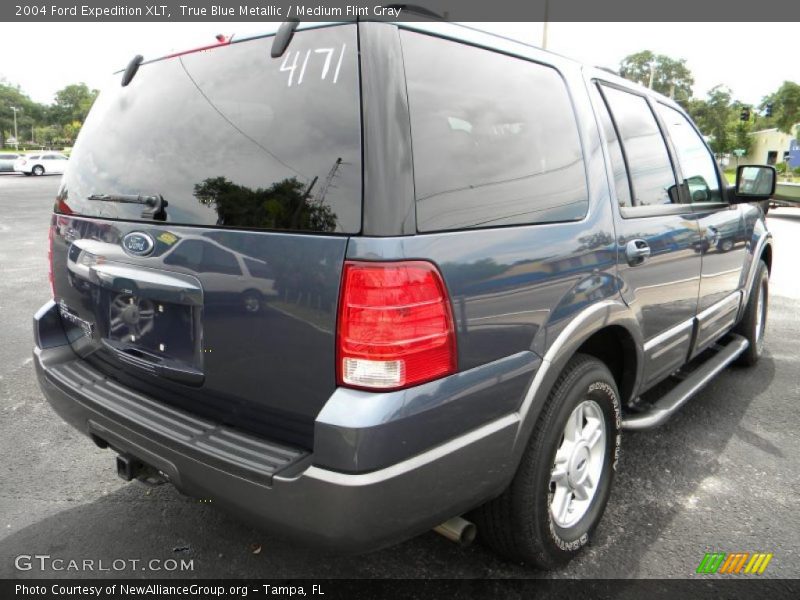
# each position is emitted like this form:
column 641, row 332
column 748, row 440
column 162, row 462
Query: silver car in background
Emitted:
column 7, row 162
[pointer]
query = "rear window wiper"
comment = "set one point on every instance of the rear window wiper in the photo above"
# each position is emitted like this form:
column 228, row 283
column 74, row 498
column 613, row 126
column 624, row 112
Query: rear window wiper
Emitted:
column 156, row 204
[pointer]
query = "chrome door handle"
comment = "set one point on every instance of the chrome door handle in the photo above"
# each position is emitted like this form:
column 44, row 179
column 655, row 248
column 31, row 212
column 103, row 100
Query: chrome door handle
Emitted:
column 636, row 251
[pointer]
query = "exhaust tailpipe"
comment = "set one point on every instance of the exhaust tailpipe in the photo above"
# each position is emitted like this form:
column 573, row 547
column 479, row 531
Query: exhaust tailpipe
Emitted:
column 458, row 530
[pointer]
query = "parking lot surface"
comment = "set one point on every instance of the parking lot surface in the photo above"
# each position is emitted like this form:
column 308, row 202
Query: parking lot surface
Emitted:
column 721, row 476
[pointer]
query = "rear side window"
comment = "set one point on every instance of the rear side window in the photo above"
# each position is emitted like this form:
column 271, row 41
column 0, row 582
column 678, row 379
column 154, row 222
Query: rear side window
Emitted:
column 652, row 178
column 232, row 137
column 621, row 183
column 494, row 137
column 697, row 165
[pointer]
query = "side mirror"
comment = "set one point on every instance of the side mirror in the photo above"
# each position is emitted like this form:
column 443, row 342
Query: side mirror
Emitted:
column 754, row 183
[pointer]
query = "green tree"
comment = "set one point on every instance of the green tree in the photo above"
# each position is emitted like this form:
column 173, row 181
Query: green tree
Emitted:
column 716, row 116
column 72, row 104
column 742, row 138
column 28, row 113
column 70, row 131
column 785, row 106
column 45, row 135
column 671, row 77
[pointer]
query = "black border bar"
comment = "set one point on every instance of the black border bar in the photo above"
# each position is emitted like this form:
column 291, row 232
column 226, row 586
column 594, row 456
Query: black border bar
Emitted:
column 449, row 10
column 701, row 587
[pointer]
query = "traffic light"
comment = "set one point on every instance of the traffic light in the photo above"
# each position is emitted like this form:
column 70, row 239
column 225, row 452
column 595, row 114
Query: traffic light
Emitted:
column 768, row 111
column 744, row 115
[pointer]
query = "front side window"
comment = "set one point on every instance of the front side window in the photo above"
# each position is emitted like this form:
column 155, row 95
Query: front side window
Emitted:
column 652, row 177
column 494, row 137
column 621, row 183
column 697, row 165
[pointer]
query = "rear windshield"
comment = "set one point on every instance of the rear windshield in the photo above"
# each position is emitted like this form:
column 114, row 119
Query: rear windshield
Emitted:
column 231, row 137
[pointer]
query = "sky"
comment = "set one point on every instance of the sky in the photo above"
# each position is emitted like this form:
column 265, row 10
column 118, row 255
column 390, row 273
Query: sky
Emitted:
column 753, row 59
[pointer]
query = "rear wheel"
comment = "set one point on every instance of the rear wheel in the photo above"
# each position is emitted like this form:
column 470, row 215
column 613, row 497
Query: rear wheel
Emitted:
column 561, row 488
column 252, row 301
column 725, row 245
column 754, row 322
column 38, row 170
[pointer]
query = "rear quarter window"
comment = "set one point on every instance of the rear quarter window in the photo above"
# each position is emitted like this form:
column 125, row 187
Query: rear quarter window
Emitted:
column 494, row 137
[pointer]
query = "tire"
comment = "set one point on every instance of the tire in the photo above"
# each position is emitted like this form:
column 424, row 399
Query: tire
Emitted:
column 252, row 301
column 38, row 170
column 725, row 245
column 754, row 321
column 519, row 524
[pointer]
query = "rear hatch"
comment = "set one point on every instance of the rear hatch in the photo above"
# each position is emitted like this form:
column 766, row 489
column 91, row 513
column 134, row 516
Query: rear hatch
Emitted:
column 201, row 228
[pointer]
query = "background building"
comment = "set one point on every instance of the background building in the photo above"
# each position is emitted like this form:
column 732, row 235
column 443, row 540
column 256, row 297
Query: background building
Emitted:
column 771, row 147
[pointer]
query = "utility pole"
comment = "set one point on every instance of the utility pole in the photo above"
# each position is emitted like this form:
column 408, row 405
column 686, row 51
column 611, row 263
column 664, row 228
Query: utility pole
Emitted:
column 16, row 139
column 652, row 73
column 544, row 25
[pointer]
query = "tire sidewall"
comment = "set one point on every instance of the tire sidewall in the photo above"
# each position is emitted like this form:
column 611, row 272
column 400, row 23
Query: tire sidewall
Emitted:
column 760, row 287
column 747, row 326
column 37, row 170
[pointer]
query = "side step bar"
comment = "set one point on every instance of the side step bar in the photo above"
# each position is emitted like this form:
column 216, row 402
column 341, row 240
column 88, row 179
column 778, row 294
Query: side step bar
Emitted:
column 662, row 410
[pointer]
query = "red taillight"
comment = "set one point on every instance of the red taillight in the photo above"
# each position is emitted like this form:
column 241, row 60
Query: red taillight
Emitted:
column 395, row 325
column 50, row 260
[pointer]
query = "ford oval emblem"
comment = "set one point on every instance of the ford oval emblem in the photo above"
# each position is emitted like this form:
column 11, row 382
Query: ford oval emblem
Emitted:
column 138, row 243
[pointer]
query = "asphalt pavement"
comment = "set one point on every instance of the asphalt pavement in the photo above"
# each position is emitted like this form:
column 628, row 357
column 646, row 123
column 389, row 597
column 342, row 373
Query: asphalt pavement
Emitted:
column 721, row 476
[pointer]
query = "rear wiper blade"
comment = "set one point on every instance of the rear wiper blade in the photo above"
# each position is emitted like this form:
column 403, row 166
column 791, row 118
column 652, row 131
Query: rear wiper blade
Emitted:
column 156, row 204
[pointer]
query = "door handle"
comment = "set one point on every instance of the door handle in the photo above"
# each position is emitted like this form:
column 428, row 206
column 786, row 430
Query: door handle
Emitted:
column 636, row 251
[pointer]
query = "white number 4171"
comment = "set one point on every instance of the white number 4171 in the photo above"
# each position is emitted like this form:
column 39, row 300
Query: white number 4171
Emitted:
column 292, row 67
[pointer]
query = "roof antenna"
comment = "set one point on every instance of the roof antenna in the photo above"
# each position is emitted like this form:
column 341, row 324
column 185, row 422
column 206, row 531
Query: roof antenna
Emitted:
column 131, row 69
column 283, row 37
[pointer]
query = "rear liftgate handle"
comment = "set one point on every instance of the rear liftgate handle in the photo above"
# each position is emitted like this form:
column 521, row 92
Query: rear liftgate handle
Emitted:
column 636, row 251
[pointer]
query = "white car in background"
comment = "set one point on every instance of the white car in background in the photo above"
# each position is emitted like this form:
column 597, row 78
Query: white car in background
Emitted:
column 40, row 163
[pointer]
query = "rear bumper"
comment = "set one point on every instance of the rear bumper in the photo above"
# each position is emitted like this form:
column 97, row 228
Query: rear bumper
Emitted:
column 278, row 488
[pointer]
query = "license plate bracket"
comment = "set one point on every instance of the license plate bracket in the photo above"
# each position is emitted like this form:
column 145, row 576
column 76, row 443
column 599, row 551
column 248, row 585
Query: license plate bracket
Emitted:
column 157, row 332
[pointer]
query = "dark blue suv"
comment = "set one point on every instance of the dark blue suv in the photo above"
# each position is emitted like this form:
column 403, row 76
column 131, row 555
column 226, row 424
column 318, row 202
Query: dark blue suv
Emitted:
column 354, row 281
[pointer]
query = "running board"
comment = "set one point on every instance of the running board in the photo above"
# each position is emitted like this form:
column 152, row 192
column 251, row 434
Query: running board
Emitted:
column 664, row 408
